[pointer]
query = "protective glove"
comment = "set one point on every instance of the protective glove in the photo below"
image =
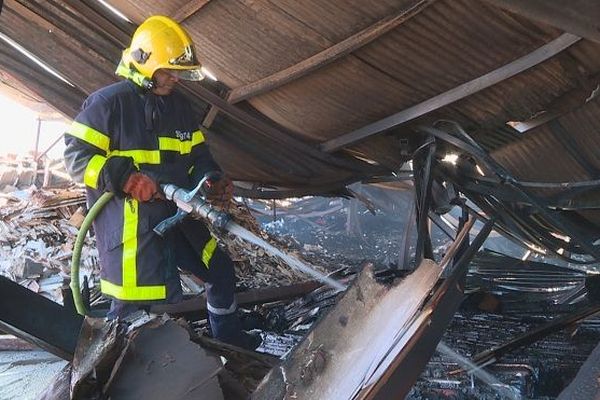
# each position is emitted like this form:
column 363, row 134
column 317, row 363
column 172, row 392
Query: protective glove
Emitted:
column 219, row 192
column 141, row 187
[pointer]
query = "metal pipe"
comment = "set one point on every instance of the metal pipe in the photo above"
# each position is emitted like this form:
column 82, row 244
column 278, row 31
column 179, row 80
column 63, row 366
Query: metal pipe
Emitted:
column 37, row 138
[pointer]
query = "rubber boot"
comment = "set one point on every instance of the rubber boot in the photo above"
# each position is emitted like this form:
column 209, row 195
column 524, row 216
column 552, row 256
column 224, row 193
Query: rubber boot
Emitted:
column 228, row 328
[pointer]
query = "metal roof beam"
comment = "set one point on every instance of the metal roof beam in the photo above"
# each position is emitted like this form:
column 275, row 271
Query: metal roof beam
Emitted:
column 328, row 55
column 66, row 99
column 56, row 39
column 273, row 133
column 460, row 92
column 118, row 32
column 579, row 17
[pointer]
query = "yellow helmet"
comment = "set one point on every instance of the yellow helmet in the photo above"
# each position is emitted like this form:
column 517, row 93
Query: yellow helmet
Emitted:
column 160, row 42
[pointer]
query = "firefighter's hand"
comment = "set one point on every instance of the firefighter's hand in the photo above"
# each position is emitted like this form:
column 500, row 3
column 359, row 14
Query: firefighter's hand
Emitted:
column 220, row 192
column 141, row 187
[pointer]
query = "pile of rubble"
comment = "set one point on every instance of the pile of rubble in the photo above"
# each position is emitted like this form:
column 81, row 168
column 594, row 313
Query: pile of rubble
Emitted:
column 37, row 232
column 507, row 298
column 38, row 228
column 525, row 322
column 16, row 173
column 22, row 172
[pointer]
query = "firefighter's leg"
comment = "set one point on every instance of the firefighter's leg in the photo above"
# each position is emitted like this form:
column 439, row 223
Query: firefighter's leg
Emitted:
column 216, row 269
column 222, row 307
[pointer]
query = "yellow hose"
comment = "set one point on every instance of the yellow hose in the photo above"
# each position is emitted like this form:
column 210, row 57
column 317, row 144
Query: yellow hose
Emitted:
column 85, row 227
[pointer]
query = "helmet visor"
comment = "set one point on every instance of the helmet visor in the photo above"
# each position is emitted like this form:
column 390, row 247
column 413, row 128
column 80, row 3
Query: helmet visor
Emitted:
column 187, row 74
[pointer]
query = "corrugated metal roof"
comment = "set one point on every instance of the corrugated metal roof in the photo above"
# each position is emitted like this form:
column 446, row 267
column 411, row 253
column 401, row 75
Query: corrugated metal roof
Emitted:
column 324, row 69
column 541, row 155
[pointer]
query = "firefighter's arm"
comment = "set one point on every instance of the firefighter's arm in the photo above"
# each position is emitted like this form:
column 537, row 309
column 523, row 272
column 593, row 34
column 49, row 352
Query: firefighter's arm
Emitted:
column 87, row 151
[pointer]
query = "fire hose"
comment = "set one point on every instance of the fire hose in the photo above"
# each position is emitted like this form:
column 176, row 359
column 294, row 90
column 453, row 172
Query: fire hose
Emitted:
column 187, row 202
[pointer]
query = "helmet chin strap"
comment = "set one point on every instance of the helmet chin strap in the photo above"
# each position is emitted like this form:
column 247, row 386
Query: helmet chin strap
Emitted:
column 134, row 76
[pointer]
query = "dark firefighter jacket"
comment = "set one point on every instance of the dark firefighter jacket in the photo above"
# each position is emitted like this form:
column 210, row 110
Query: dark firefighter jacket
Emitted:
column 121, row 129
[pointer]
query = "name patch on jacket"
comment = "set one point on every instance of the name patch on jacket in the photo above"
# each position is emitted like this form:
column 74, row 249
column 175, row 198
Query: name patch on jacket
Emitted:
column 183, row 135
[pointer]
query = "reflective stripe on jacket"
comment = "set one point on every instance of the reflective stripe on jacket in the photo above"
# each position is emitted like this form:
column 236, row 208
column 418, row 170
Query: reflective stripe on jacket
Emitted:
column 119, row 130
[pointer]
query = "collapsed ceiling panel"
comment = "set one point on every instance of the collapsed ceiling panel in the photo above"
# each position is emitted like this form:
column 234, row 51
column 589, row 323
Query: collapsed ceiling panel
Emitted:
column 314, row 95
column 566, row 138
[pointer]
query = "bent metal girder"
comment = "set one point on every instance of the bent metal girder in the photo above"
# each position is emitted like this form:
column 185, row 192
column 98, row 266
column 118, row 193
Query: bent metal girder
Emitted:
column 518, row 210
column 38, row 320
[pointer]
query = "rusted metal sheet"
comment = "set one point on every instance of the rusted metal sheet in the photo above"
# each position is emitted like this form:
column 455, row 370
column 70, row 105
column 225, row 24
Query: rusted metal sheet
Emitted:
column 572, row 144
column 63, row 50
column 271, row 140
column 189, row 9
column 462, row 91
column 328, row 55
column 20, row 69
column 578, row 17
column 350, row 343
column 252, row 297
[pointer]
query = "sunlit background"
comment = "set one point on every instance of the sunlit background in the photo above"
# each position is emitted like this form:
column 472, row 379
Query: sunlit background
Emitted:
column 19, row 130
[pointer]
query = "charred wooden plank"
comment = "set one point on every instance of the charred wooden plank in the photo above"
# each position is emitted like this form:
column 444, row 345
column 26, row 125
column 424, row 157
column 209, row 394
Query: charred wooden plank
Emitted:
column 197, row 305
column 328, row 55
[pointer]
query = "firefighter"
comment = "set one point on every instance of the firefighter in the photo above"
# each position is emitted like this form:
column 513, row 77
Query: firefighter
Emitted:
column 128, row 139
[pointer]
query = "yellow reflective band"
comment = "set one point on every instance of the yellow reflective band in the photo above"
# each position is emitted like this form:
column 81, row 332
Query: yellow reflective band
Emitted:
column 197, row 137
column 140, row 293
column 130, row 290
column 208, row 251
column 139, row 156
column 90, row 135
column 129, row 260
column 181, row 146
column 92, row 171
column 130, row 224
column 174, row 144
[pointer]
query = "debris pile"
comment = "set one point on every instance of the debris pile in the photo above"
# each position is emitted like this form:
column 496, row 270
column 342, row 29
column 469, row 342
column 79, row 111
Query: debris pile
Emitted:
column 22, row 172
column 336, row 229
column 254, row 267
column 147, row 357
column 16, row 173
column 37, row 231
column 506, row 297
column 511, row 298
column 38, row 228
